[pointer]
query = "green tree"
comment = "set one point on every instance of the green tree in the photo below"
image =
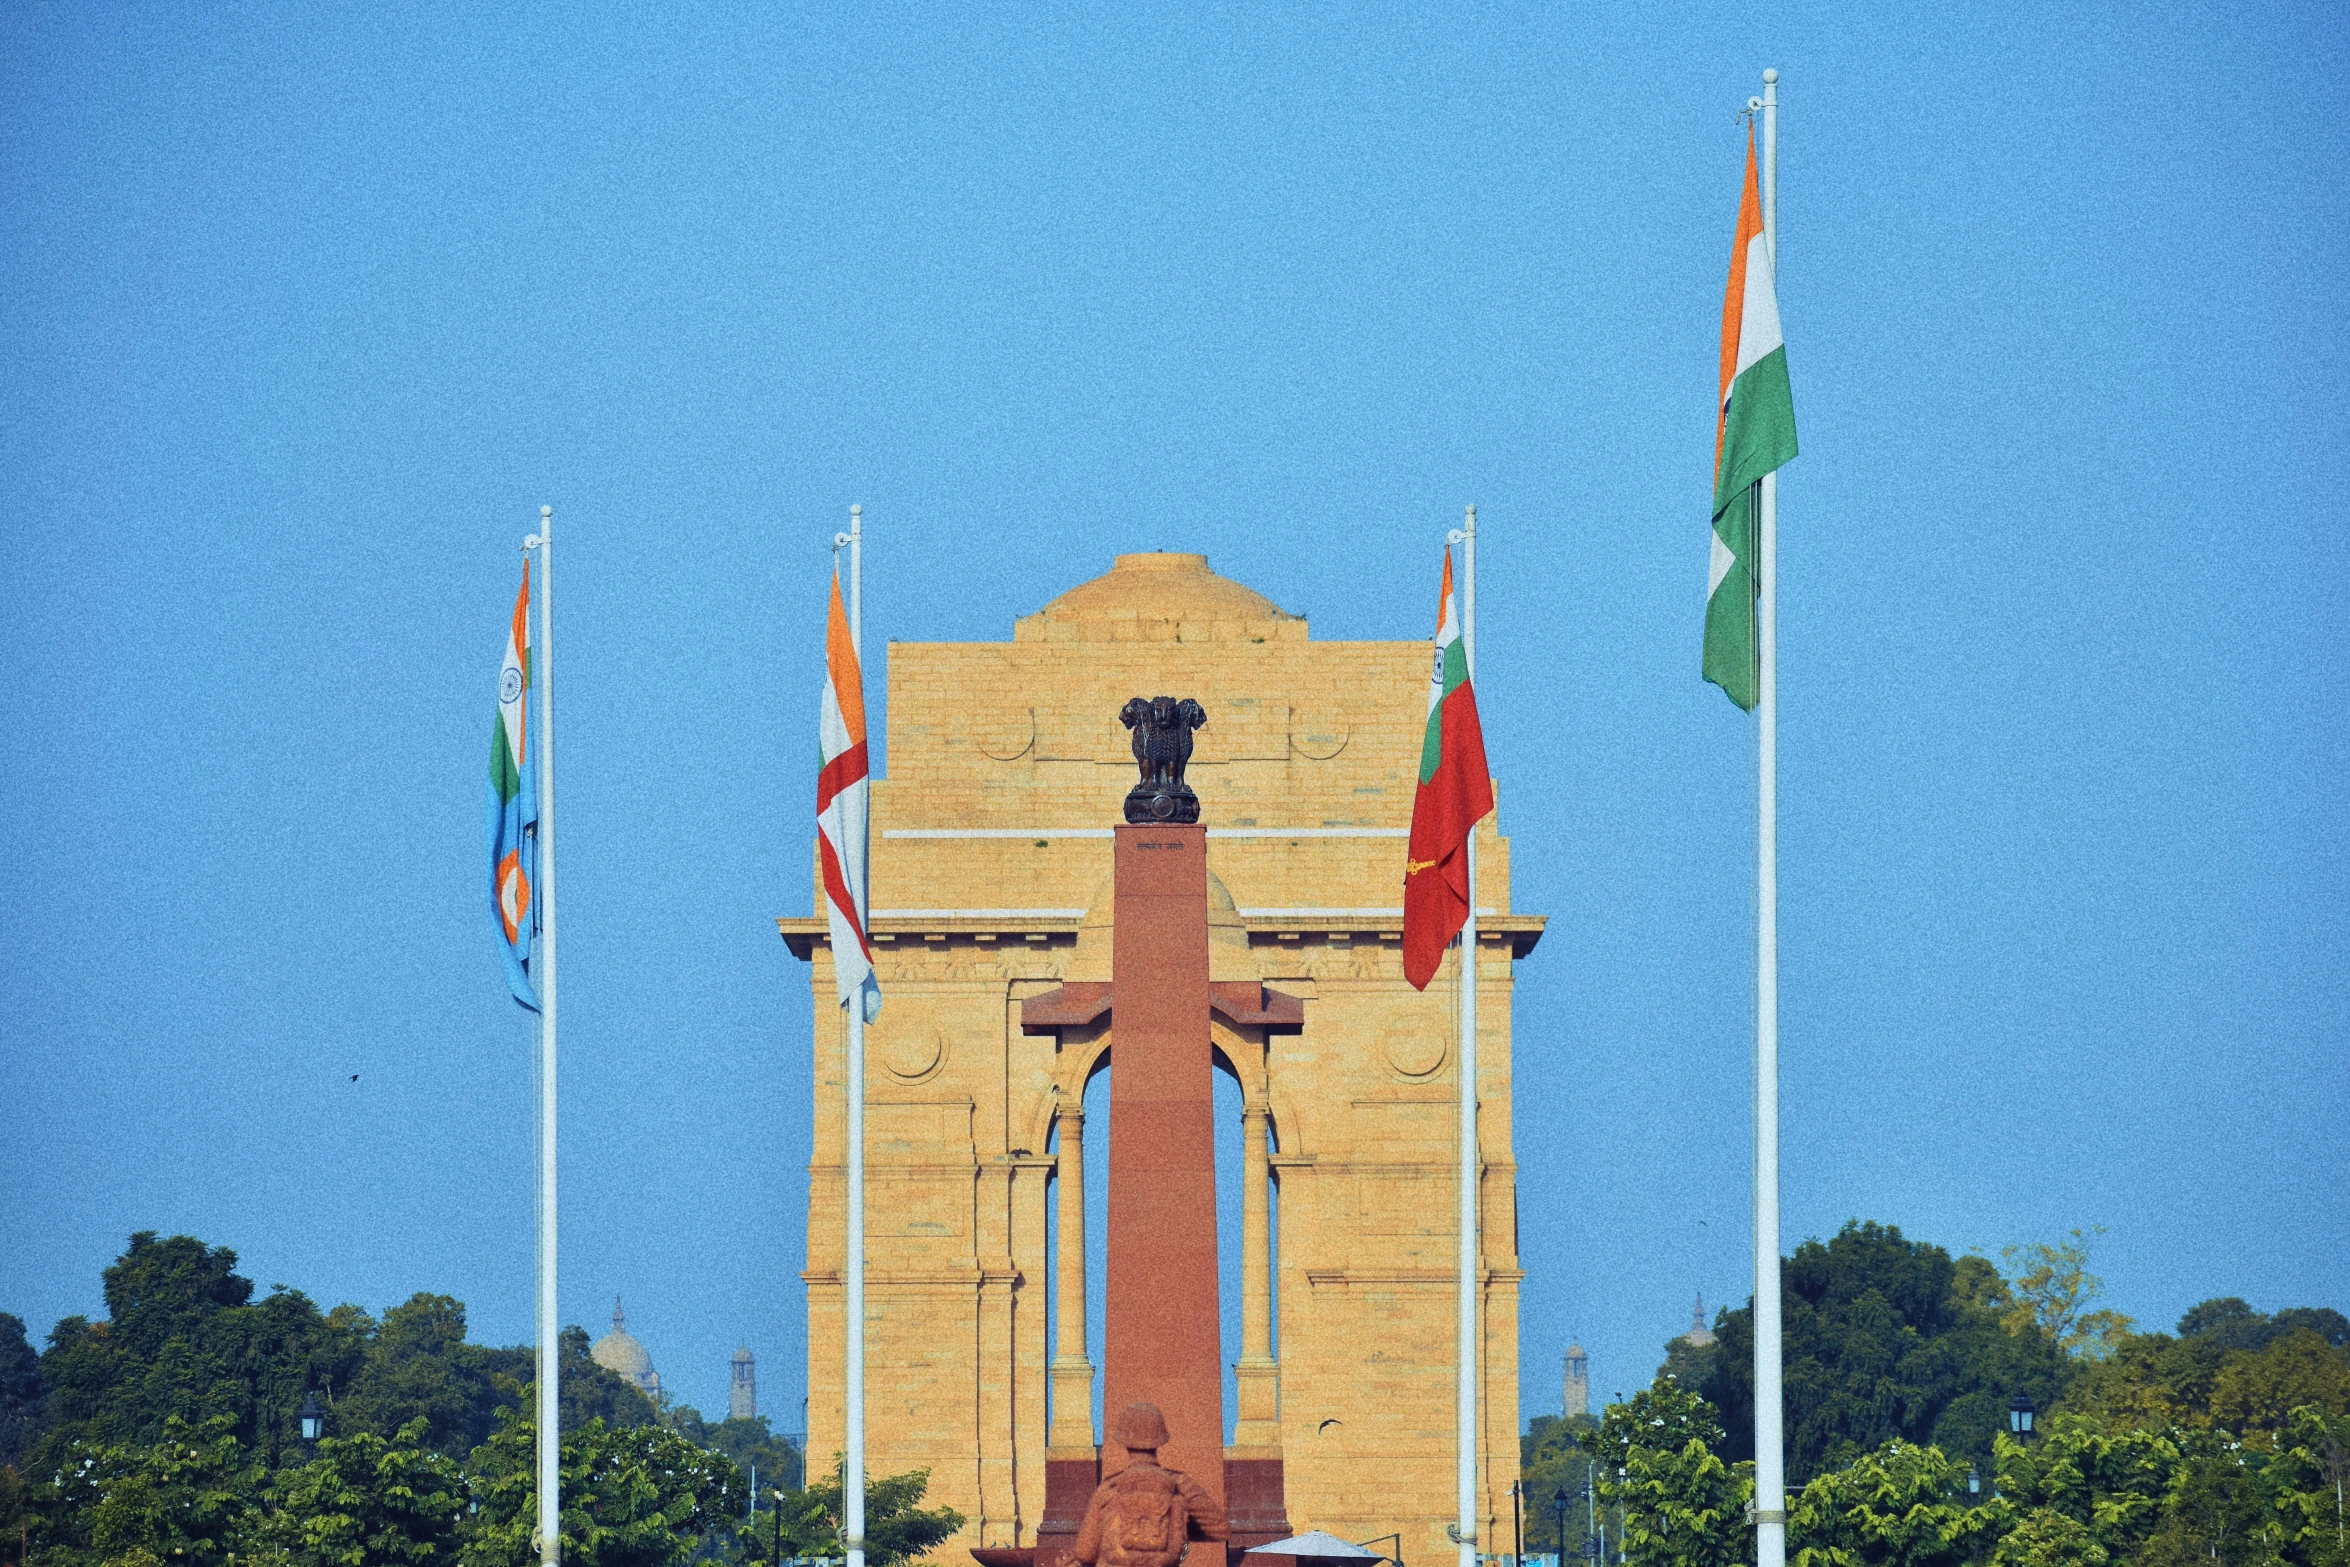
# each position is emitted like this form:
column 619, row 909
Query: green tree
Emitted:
column 2257, row 1391
column 20, row 1391
column 2053, row 1290
column 749, row 1441
column 2229, row 1322
column 418, row 1366
column 896, row 1530
column 796, row 1524
column 12, row 1515
column 1900, row 1506
column 2307, row 1484
column 1659, row 1466
column 2109, row 1487
column 1884, row 1338
column 2217, row 1515
column 2046, row 1538
column 184, row 1340
column 189, row 1497
column 2229, row 1368
column 593, row 1392
column 365, row 1501
column 2150, row 1382
column 1551, row 1459
column 641, row 1496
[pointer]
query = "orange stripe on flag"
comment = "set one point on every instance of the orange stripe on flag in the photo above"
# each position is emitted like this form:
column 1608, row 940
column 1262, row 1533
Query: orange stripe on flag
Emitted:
column 1734, row 299
column 520, row 633
column 840, row 664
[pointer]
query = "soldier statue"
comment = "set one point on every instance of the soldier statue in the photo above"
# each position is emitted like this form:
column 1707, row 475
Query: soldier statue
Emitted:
column 1145, row 1516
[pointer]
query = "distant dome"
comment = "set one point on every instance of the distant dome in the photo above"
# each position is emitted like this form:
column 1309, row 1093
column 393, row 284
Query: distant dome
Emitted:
column 620, row 1352
column 1699, row 1334
column 1162, row 596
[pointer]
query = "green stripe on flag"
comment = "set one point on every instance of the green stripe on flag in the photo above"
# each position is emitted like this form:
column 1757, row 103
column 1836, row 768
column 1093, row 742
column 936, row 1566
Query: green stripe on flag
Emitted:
column 1729, row 609
column 505, row 777
column 1758, row 434
column 1456, row 671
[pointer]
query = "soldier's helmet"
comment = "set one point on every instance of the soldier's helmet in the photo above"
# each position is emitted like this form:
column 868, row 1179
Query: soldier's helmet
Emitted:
column 1140, row 1427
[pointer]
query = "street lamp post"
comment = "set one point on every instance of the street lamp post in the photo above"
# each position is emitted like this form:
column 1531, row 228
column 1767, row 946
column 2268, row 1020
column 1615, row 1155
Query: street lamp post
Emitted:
column 1558, row 1511
column 1517, row 1527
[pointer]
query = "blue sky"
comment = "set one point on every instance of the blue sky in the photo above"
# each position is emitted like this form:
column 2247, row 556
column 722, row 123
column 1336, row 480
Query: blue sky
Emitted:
column 304, row 312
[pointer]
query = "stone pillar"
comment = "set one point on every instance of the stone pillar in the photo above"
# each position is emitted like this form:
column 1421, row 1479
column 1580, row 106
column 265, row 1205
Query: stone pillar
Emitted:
column 1072, row 1373
column 1258, row 1378
column 1159, row 1320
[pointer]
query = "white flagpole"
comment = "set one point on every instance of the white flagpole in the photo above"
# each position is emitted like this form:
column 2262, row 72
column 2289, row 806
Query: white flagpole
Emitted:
column 1465, row 1531
column 1770, row 1476
column 550, row 1433
column 853, row 1459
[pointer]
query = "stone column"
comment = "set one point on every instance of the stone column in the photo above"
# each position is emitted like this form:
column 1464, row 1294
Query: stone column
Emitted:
column 1072, row 1373
column 1257, row 1377
column 1159, row 1311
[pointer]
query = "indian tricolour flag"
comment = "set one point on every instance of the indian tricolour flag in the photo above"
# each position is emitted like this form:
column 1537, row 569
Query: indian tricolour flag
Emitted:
column 1455, row 794
column 1755, row 433
column 843, row 813
column 514, row 806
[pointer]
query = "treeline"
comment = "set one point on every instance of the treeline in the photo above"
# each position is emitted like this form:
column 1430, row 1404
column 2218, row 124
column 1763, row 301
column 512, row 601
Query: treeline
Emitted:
column 2225, row 1442
column 169, row 1432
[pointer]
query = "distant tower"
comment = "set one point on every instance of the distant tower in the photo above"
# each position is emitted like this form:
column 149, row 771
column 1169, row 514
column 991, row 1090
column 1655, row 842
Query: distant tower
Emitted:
column 1578, row 1400
column 1699, row 1334
column 742, row 1395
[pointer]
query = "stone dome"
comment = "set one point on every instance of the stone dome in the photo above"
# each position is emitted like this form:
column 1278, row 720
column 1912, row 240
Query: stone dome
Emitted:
column 621, row 1352
column 1161, row 596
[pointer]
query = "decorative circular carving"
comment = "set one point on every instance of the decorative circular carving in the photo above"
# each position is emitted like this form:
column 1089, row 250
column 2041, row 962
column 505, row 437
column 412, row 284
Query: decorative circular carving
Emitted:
column 1318, row 736
column 1005, row 737
column 914, row 1054
column 1414, row 1049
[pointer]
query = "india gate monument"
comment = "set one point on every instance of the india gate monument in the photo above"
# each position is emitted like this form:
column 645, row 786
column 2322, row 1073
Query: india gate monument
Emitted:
column 1038, row 916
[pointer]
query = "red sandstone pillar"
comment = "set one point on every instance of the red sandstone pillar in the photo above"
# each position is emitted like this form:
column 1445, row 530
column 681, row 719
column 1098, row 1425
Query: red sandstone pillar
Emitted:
column 1159, row 1317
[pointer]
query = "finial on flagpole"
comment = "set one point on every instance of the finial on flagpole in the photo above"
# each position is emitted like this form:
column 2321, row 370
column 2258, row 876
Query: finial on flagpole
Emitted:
column 1770, row 74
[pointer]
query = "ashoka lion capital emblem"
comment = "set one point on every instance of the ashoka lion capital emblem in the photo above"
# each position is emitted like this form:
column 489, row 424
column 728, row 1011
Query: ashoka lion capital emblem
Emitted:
column 1162, row 728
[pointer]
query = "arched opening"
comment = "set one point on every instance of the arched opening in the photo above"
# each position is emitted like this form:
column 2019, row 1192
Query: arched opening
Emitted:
column 1230, row 1151
column 1052, row 1265
column 1228, row 1177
